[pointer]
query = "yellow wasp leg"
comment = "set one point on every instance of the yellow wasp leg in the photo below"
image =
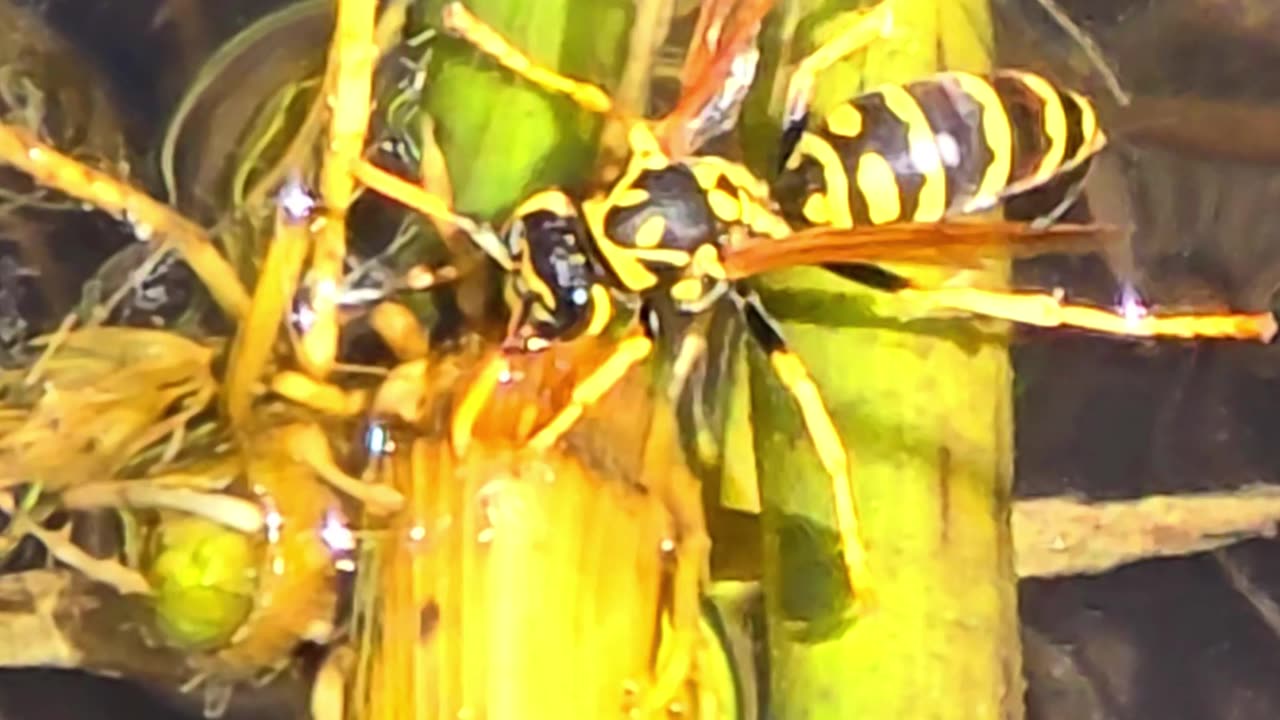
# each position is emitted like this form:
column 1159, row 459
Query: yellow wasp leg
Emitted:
column 473, row 401
column 149, row 217
column 690, row 547
column 1048, row 310
column 628, row 353
column 831, row 451
column 459, row 20
column 875, row 23
column 349, row 95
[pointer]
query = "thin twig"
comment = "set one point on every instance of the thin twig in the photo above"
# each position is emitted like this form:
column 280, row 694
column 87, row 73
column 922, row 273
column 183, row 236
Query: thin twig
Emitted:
column 145, row 214
column 1066, row 536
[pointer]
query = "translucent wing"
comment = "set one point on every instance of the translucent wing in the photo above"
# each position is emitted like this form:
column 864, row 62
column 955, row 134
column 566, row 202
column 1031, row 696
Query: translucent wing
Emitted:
column 718, row 71
column 954, row 244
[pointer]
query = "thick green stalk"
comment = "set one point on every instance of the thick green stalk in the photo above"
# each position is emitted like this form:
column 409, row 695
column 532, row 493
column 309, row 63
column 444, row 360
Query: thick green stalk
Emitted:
column 924, row 405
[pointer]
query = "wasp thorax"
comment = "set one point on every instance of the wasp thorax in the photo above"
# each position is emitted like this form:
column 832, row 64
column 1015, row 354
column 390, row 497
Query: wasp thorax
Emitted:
column 556, row 291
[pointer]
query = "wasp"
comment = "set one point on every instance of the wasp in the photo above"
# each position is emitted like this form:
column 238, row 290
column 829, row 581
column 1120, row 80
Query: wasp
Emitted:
column 889, row 175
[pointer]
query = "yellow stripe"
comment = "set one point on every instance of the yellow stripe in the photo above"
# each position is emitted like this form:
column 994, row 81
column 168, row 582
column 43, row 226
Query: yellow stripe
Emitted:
column 630, row 271
column 601, row 310
column 650, row 232
column 1054, row 121
column 555, row 202
column 833, row 176
column 999, row 136
column 1094, row 138
column 723, row 205
column 879, row 188
column 534, row 281
column 816, row 209
column 845, row 120
column 923, row 148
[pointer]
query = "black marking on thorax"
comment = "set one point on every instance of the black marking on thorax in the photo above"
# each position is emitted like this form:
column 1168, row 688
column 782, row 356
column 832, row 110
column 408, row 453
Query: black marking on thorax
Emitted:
column 674, row 196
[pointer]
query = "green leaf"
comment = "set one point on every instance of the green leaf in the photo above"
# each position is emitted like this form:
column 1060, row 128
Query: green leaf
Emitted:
column 503, row 137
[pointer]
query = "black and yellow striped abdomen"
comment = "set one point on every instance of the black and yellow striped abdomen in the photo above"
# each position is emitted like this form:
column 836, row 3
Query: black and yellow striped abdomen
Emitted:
column 949, row 144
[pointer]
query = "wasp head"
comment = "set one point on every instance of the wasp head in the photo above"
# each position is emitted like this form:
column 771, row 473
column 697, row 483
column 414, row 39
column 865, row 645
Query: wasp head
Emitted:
column 556, row 291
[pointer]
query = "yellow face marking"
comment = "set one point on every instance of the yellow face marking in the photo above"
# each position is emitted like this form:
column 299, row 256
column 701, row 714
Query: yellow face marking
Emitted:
column 532, row 280
column 845, row 121
column 833, row 176
column 999, row 136
column 601, row 310
column 816, row 209
column 879, row 188
column 923, row 148
column 650, row 232
column 555, row 202
column 724, row 205
column 1054, row 120
column 1094, row 138
column 623, row 262
column 630, row 197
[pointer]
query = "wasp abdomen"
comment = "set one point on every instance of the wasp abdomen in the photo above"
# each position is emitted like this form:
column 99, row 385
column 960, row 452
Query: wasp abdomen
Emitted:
column 950, row 144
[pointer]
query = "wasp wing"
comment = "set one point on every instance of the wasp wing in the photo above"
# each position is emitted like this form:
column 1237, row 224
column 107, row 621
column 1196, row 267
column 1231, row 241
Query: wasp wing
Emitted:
column 958, row 244
column 718, row 71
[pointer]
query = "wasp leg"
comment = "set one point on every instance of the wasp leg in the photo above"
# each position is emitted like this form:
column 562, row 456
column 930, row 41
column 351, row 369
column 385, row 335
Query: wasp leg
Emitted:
column 457, row 19
column 476, row 396
column 822, row 431
column 669, row 478
column 689, row 375
column 627, row 354
column 874, row 24
column 1048, row 310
